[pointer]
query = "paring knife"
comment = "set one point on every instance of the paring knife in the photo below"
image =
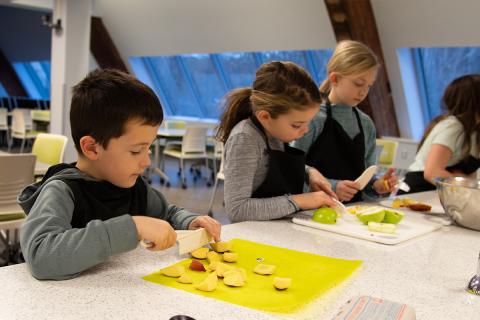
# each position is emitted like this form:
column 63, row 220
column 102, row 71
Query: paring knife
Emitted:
column 187, row 240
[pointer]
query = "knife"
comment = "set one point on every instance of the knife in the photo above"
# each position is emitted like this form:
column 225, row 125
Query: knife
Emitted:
column 187, row 240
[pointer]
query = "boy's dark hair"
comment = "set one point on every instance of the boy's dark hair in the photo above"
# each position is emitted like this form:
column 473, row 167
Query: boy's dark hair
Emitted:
column 105, row 100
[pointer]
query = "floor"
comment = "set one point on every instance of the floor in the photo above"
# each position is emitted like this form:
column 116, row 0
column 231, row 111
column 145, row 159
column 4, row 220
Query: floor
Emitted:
column 195, row 198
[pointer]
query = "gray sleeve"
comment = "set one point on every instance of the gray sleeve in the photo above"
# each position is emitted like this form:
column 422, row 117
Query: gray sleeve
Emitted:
column 370, row 141
column 55, row 250
column 158, row 207
column 242, row 155
column 370, row 156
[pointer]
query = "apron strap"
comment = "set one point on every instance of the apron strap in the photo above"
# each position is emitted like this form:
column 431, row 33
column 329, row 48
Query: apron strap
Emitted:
column 260, row 127
column 357, row 115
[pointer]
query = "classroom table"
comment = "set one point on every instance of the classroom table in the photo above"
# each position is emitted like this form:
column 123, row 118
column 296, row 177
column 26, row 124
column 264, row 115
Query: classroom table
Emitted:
column 429, row 273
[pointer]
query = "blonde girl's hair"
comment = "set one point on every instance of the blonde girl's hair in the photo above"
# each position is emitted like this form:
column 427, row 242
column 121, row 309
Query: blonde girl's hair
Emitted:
column 278, row 88
column 462, row 100
column 349, row 58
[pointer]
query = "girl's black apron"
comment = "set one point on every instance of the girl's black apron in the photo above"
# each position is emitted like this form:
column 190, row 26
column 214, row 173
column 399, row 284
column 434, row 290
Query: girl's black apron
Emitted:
column 417, row 182
column 335, row 154
column 286, row 170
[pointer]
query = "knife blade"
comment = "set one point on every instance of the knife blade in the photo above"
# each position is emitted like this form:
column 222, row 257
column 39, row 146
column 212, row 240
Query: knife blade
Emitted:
column 187, row 240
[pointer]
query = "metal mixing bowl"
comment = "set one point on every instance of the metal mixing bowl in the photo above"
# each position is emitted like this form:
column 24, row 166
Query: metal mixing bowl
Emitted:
column 460, row 197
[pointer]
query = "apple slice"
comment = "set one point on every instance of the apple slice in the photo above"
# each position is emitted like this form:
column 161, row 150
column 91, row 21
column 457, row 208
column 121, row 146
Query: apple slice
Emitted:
column 197, row 266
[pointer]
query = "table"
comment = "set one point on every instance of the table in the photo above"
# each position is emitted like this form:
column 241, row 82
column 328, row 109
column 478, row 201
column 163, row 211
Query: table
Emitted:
column 429, row 273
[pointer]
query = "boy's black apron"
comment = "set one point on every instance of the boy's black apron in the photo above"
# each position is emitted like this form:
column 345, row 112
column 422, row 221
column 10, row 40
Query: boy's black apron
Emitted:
column 335, row 154
column 286, row 170
column 417, row 182
column 101, row 200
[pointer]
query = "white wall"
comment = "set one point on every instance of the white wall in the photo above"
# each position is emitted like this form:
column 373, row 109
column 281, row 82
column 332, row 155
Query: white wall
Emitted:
column 164, row 27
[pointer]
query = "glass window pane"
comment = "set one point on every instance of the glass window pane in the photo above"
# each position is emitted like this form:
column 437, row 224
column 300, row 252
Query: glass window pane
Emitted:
column 320, row 59
column 295, row 56
column 207, row 83
column 437, row 67
column 239, row 67
column 3, row 92
column 176, row 87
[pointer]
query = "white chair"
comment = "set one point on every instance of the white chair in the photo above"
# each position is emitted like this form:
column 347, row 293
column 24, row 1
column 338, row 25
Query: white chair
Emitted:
column 220, row 176
column 193, row 146
column 4, row 123
column 16, row 172
column 22, row 127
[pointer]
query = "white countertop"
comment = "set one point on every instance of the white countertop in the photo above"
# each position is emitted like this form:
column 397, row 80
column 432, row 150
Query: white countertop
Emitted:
column 428, row 273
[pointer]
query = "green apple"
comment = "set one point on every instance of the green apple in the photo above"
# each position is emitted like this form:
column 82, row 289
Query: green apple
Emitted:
column 325, row 215
column 381, row 227
column 375, row 214
column 392, row 217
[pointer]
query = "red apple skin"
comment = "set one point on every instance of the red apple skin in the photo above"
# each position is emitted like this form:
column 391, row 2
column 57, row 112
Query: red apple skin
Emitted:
column 196, row 266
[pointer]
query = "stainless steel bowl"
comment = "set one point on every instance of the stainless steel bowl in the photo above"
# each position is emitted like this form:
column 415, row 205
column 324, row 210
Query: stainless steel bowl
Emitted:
column 460, row 197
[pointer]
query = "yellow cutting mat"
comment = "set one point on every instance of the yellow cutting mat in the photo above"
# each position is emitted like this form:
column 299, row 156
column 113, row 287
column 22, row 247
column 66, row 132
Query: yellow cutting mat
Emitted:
column 312, row 275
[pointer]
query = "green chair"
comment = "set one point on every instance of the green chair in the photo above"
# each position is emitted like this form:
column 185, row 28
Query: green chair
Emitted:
column 49, row 148
column 388, row 153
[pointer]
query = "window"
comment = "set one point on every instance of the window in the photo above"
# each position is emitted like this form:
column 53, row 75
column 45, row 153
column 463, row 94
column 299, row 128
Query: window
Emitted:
column 3, row 92
column 193, row 85
column 436, row 68
column 35, row 77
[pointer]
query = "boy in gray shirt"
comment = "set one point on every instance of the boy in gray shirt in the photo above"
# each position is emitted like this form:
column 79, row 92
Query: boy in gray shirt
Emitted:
column 82, row 213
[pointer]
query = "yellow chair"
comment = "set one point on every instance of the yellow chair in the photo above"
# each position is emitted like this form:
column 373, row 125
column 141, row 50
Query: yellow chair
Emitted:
column 16, row 172
column 49, row 148
column 388, row 153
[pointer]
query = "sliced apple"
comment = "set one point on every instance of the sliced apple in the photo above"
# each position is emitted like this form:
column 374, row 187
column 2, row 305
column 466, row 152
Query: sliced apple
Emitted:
column 200, row 253
column 392, row 216
column 264, row 269
column 233, row 278
column 230, row 257
column 282, row 283
column 381, row 227
column 185, row 278
column 197, row 266
column 375, row 214
column 212, row 256
column 221, row 268
column 221, row 246
column 209, row 283
column 173, row 271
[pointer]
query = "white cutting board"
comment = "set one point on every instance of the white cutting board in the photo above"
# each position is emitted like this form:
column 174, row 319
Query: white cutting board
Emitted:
column 410, row 227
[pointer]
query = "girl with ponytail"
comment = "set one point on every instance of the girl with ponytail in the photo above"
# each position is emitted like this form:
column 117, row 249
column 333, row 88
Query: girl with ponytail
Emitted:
column 264, row 176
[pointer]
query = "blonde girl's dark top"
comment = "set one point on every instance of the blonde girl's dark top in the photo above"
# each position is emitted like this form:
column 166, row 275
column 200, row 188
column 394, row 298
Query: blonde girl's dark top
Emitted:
column 345, row 116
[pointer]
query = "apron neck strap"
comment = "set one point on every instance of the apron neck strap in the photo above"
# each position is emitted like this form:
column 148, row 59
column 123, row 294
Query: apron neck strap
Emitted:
column 328, row 105
column 257, row 124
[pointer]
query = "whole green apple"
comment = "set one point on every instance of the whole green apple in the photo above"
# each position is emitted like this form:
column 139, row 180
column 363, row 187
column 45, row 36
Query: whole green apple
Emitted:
column 325, row 215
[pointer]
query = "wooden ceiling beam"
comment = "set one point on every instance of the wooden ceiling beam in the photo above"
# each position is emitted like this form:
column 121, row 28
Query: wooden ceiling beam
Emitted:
column 103, row 48
column 354, row 20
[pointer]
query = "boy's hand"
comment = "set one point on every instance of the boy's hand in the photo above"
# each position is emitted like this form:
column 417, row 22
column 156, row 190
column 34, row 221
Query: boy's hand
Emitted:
column 346, row 190
column 211, row 225
column 387, row 183
column 159, row 232
column 319, row 183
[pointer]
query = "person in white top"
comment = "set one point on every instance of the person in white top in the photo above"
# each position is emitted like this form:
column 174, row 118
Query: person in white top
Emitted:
column 451, row 143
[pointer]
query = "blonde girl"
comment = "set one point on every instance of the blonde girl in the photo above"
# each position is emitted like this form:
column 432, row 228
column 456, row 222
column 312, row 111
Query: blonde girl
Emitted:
column 341, row 140
column 264, row 176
